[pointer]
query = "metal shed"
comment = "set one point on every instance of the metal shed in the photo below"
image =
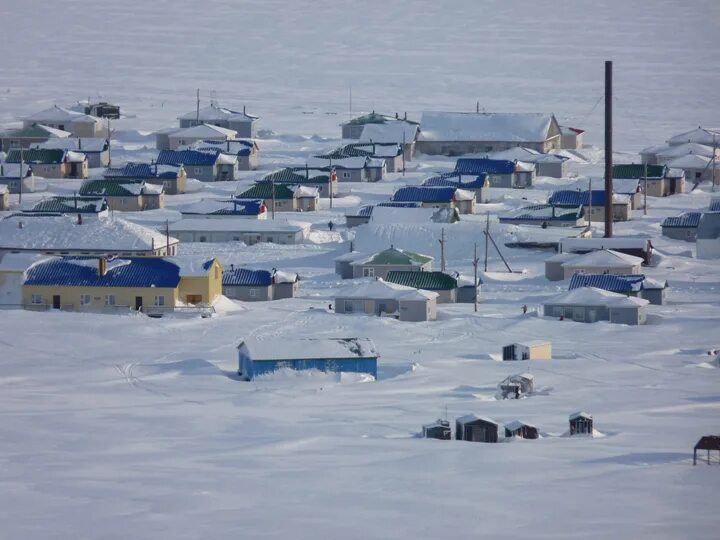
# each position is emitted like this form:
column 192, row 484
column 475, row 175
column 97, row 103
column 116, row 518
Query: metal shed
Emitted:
column 521, row 430
column 581, row 423
column 440, row 429
column 529, row 350
column 477, row 429
column 708, row 442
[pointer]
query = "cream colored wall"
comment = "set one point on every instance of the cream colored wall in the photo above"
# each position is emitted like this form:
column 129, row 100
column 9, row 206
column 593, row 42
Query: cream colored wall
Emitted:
column 124, row 296
column 208, row 286
column 128, row 204
column 541, row 352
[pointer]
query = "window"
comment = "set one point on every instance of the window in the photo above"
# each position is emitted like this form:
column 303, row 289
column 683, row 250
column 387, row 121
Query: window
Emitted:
column 368, row 272
column 253, row 292
column 198, row 170
column 36, row 299
column 85, row 299
column 110, row 300
column 345, row 174
column 203, row 239
column 217, row 272
column 557, row 311
column 159, row 300
column 348, row 306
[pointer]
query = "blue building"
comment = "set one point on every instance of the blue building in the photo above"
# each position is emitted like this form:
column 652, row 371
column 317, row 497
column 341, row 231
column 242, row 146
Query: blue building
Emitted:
column 501, row 172
column 352, row 355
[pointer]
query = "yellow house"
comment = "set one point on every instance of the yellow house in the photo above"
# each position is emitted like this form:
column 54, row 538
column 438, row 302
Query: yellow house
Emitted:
column 151, row 285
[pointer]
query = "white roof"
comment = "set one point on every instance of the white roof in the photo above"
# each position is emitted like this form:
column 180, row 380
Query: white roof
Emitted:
column 674, row 173
column 561, row 257
column 591, row 296
column 305, row 191
column 351, row 256
column 396, row 214
column 238, row 225
column 578, row 414
column 62, row 232
column 21, row 262
column 692, row 161
column 625, row 242
column 54, row 133
column 215, row 113
column 390, row 132
column 517, row 424
column 516, row 153
column 533, row 343
column 191, row 266
column 310, row 348
column 699, row 135
column 85, row 144
column 378, row 288
column 605, row 258
column 204, row 131
column 226, row 159
column 357, row 162
column 686, row 148
column 464, row 195
column 12, row 170
column 649, row 283
column 74, row 157
column 472, row 417
column 285, row 277
column 523, row 166
column 60, row 114
column 510, row 127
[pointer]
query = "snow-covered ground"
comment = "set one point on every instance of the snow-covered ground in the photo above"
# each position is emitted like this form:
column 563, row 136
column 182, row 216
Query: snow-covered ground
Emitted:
column 123, row 426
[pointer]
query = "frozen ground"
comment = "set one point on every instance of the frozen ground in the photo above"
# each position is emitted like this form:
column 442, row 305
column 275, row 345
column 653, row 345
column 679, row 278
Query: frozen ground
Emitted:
column 121, row 426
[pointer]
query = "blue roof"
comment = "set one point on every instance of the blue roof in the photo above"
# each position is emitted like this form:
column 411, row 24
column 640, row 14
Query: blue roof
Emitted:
column 366, row 211
column 688, row 219
column 715, row 205
column 82, row 272
column 424, row 194
column 568, row 197
column 243, row 276
column 131, row 170
column 619, row 284
column 192, row 158
column 484, row 165
column 453, row 179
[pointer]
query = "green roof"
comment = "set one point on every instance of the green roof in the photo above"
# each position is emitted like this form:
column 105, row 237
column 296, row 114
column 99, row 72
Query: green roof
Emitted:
column 398, row 256
column 34, row 131
column 635, row 170
column 429, row 281
column 36, row 155
column 372, row 118
column 263, row 190
column 72, row 205
column 296, row 176
column 110, row 188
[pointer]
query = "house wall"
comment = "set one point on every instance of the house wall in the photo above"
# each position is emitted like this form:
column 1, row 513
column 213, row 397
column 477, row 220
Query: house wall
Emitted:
column 632, row 316
column 701, row 175
column 209, row 287
column 381, row 270
column 204, row 173
column 466, row 295
column 94, row 129
column 344, row 269
column 285, row 290
column 11, row 287
column 577, row 313
column 688, row 234
column 621, row 212
column 126, row 204
column 458, row 148
column 571, row 141
column 553, row 170
column 656, row 187
column 352, row 131
column 394, row 164
column 374, row 174
column 124, row 297
column 248, row 163
column 49, row 170
column 569, row 270
column 446, row 296
column 10, row 143
column 355, row 221
column 250, row 369
column 249, row 238
column 248, row 293
column 152, row 202
column 366, row 306
column 225, row 173
column 162, row 141
column 245, row 130
column 450, row 204
column 282, row 205
column 418, row 310
column 554, row 271
column 656, row 297
column 351, row 175
column 708, row 248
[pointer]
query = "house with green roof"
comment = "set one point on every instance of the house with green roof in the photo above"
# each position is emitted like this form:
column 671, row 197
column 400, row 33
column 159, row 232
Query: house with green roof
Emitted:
column 304, row 176
column 379, row 264
column 51, row 163
column 126, row 197
column 656, row 180
column 286, row 198
column 27, row 136
column 74, row 205
column 450, row 288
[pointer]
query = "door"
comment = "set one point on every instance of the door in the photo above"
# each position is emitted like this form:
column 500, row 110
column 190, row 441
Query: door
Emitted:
column 138, row 303
column 194, row 298
column 56, row 301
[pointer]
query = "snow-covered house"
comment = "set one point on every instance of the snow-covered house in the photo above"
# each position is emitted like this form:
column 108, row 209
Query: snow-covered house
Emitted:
column 545, row 215
column 593, row 203
column 527, row 350
column 206, row 166
column 285, row 197
column 501, row 173
column 632, row 245
column 667, row 153
column 708, row 236
column 343, row 263
column 638, row 285
column 97, row 149
column 259, row 285
column 243, row 123
column 450, row 288
column 552, row 165
column 75, row 205
column 248, row 231
column 28, row 136
column 438, row 197
column 656, row 180
column 379, row 264
column 174, row 138
column 478, row 429
column 66, row 235
column 521, row 430
column 654, row 291
column 390, row 153
column 378, row 297
column 581, row 423
column 516, row 386
column 127, row 197
column 173, row 179
column 51, row 163
column 321, row 179
column 589, row 304
column 77, row 123
column 706, row 136
column 224, row 208
column 571, row 138
column 604, row 261
column 351, row 169
column 402, row 132
column 258, row 357
column 682, row 227
column 480, row 185
column 697, row 168
column 458, row 133
column 440, row 429
column 353, row 129
column 246, row 151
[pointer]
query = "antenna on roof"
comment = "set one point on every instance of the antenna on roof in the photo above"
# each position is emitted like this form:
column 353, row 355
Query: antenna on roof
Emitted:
column 477, row 106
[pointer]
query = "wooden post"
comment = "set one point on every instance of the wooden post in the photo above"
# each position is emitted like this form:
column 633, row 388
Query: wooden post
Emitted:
column 487, row 238
column 197, row 107
column 272, row 188
column 475, row 283
column 608, row 150
column 442, row 249
column 645, row 191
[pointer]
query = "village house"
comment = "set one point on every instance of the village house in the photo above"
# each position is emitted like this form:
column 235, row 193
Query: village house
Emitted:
column 379, row 264
column 258, row 357
column 528, row 350
column 377, row 297
column 706, row 136
column 29, row 136
column 589, row 304
column 77, row 123
column 480, row 185
column 172, row 179
column 83, row 207
column 546, row 215
column 581, row 423
column 353, row 129
column 605, row 261
column 516, row 386
column 708, row 236
column 458, row 133
column 305, row 176
column 682, row 227
column 131, row 197
column 152, row 285
column 502, row 173
column 390, row 153
column 246, row 151
column 259, row 285
column 286, row 198
column 521, row 430
column 51, row 163
column 440, row 429
column 177, row 138
column 242, row 123
column 438, row 197
column 351, row 169
column 363, row 214
column 655, row 291
column 224, row 208
column 477, row 429
column 248, row 231
column 664, row 154
column 4, row 197
column 210, row 166
column 697, row 168
column 399, row 131
column 102, row 109
column 571, row 138
column 631, row 245
column 552, row 165
column 65, row 235
column 449, row 288
column 630, row 188
column 593, row 203
column 638, row 285
column 96, row 149
column 343, row 263
column 656, row 180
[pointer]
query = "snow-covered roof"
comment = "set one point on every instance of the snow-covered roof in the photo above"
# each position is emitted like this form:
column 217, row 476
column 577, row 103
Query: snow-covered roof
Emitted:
column 226, row 159
column 74, row 157
column 393, row 215
column 378, row 288
column 54, row 133
column 204, row 131
column 510, row 127
column 60, row 114
column 709, row 226
column 515, row 153
column 285, row 277
column 215, row 113
column 686, row 148
column 692, row 161
column 311, row 348
column 591, row 296
column 700, row 135
column 351, row 256
column 84, row 144
column 395, row 131
column 674, row 173
column 53, row 233
column 357, row 162
column 238, row 225
column 464, row 195
column 652, row 284
column 624, row 242
column 20, row 262
column 606, row 258
column 517, row 424
column 306, row 191
column 473, row 417
column 579, row 414
column 533, row 343
column 191, row 266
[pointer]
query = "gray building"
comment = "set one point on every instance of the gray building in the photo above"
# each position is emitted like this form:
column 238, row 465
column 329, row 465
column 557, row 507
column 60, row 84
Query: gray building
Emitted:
column 377, row 297
column 682, row 227
column 400, row 131
column 249, row 231
column 258, row 285
column 343, row 263
column 654, row 291
column 243, row 123
column 353, row 129
column 589, row 304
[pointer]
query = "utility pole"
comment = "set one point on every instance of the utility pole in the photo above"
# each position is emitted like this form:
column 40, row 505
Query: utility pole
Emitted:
column 589, row 220
column 645, row 190
column 442, row 249
column 487, row 239
column 403, row 151
column 167, row 238
column 330, row 183
column 197, row 107
column 109, row 136
column 272, row 187
column 712, row 164
column 475, row 267
column 350, row 103
column 608, row 150
column 22, row 178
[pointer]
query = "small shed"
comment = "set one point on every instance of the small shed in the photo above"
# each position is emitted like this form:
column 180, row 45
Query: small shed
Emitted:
column 529, row 350
column 708, row 442
column 682, row 227
column 521, row 430
column 440, row 429
column 581, row 423
column 477, row 429
column 516, row 386
column 708, row 236
column 343, row 263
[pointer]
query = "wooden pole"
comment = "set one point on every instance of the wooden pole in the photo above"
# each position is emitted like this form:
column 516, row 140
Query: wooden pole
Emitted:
column 487, row 236
column 20, row 187
column 272, row 188
column 645, row 190
column 608, row 150
column 475, row 267
column 197, row 107
column 442, row 249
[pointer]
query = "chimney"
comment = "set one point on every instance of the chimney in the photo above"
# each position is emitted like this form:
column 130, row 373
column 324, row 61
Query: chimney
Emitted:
column 405, row 118
column 102, row 266
column 243, row 109
column 397, row 116
column 232, row 267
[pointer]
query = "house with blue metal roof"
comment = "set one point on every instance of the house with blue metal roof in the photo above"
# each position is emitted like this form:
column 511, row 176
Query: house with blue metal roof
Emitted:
column 246, row 150
column 438, row 197
column 502, row 173
column 546, row 215
column 682, row 227
column 225, row 208
column 172, row 178
column 206, row 166
column 363, row 214
column 480, row 185
column 152, row 285
column 637, row 285
column 593, row 203
column 259, row 285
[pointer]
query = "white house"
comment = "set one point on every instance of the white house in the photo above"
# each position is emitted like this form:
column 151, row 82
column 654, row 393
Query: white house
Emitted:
column 589, row 304
column 203, row 132
column 378, row 297
column 709, row 137
column 79, row 124
column 249, row 231
column 605, row 261
column 697, row 168
column 708, row 236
